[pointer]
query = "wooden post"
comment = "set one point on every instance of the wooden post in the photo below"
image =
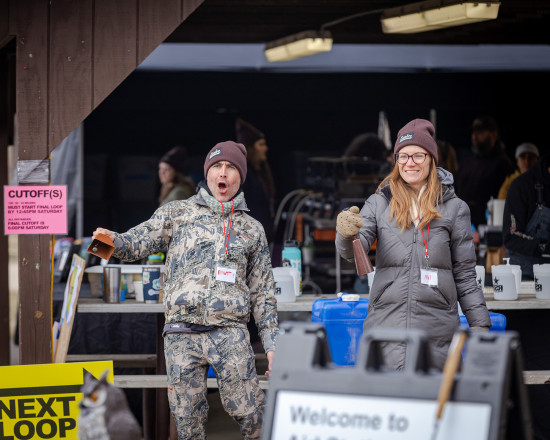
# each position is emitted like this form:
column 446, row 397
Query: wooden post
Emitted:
column 31, row 143
column 6, row 116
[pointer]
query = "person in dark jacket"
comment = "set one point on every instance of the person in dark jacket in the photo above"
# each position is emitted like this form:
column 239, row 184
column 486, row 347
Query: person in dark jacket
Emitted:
column 175, row 185
column 526, row 222
column 425, row 256
column 259, row 187
column 480, row 176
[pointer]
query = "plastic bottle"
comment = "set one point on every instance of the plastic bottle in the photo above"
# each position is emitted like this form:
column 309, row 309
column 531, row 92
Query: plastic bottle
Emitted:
column 292, row 256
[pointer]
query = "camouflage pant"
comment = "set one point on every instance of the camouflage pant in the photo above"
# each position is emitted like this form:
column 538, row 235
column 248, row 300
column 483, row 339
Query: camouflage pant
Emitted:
column 229, row 352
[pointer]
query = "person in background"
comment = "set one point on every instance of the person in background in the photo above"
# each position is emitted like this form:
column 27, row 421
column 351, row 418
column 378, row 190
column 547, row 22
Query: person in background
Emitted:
column 526, row 222
column 447, row 157
column 217, row 272
column 367, row 145
column 259, row 187
column 174, row 184
column 425, row 256
column 481, row 174
column 526, row 156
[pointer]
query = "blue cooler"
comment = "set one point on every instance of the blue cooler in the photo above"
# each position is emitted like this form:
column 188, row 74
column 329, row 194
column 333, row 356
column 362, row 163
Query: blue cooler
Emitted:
column 343, row 321
column 498, row 322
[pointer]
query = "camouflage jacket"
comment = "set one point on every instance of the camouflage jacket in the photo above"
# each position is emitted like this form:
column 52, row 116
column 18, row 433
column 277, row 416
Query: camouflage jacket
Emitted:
column 194, row 234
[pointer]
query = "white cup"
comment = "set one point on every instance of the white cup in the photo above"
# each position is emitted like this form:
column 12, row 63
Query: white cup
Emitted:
column 504, row 283
column 542, row 280
column 138, row 287
column 480, row 276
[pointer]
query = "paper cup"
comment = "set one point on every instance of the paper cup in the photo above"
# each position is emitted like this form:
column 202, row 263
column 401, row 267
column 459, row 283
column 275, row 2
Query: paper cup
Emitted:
column 480, row 276
column 542, row 280
column 138, row 287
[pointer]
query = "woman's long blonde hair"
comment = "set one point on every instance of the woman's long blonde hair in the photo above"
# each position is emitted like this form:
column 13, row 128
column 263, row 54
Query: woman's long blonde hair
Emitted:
column 403, row 194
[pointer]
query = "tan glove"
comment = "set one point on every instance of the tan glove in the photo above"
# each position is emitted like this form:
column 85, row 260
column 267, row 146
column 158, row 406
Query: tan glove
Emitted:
column 349, row 222
column 479, row 329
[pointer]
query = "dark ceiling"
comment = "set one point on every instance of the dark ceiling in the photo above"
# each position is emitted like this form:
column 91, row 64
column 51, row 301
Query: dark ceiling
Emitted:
column 260, row 21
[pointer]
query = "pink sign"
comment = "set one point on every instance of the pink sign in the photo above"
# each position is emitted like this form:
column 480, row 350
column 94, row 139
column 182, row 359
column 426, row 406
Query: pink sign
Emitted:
column 35, row 209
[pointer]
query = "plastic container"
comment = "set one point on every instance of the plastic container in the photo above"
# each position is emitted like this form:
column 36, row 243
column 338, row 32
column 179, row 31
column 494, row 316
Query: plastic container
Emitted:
column 287, row 283
column 542, row 280
column 498, row 322
column 343, row 320
column 292, row 256
column 506, row 280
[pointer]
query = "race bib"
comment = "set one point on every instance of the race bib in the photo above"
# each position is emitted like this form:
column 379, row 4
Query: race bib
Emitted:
column 428, row 277
column 226, row 274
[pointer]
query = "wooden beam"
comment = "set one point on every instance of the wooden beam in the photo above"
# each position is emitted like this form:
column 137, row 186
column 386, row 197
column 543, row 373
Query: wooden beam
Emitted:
column 69, row 67
column 114, row 54
column 5, row 36
column 35, row 307
column 157, row 20
column 5, row 116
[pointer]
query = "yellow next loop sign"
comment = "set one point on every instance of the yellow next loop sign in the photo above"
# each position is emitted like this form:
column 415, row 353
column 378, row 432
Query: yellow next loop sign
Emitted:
column 41, row 401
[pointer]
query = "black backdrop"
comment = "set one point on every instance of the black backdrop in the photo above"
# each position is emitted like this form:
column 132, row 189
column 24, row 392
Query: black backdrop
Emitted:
column 301, row 115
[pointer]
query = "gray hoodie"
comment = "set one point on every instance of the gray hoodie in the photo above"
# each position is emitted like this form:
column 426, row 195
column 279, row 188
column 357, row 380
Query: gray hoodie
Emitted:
column 397, row 298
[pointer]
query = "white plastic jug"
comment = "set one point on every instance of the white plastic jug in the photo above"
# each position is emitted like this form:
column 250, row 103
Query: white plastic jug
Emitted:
column 516, row 268
column 287, row 283
column 480, row 276
column 542, row 280
column 504, row 282
column 496, row 211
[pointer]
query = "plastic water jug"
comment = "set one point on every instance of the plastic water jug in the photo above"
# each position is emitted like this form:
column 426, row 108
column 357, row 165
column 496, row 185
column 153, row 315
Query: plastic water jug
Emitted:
column 287, row 283
column 542, row 280
column 292, row 257
column 343, row 319
column 506, row 281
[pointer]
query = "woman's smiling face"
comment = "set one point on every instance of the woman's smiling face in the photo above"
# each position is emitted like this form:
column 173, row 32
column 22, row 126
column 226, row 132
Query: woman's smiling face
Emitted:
column 415, row 174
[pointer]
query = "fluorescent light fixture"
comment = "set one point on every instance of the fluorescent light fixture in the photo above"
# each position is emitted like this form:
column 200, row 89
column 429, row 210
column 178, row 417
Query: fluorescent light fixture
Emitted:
column 298, row 45
column 436, row 14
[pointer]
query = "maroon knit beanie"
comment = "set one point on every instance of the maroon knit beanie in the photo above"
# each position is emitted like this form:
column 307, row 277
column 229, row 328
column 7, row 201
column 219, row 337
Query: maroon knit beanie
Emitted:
column 417, row 132
column 229, row 151
column 176, row 158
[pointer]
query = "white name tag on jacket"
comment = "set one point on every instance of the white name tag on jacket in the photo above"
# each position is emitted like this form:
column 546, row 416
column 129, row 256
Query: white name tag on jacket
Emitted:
column 226, row 274
column 428, row 277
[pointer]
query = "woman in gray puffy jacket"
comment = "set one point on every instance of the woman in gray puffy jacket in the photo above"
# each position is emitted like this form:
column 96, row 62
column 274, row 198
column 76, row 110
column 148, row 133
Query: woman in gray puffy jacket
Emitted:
column 425, row 256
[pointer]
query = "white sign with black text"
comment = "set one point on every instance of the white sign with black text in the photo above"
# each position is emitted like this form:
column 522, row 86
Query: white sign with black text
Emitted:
column 324, row 416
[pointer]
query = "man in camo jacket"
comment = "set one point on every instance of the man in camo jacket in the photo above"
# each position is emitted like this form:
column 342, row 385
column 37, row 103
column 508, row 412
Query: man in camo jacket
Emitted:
column 217, row 271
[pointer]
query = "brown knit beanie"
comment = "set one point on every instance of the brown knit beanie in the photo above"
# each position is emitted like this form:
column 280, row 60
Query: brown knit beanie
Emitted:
column 176, row 158
column 247, row 134
column 229, row 151
column 417, row 132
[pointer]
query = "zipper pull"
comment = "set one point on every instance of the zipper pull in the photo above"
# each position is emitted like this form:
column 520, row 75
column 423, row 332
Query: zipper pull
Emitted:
column 414, row 235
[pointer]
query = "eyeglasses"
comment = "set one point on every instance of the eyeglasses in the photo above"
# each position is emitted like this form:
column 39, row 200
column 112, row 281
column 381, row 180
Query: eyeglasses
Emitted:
column 418, row 158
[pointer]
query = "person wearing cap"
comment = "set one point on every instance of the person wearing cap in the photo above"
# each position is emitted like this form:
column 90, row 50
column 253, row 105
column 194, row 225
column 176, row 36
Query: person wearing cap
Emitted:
column 259, row 186
column 526, row 156
column 174, row 184
column 526, row 220
column 481, row 174
column 217, row 272
column 425, row 256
